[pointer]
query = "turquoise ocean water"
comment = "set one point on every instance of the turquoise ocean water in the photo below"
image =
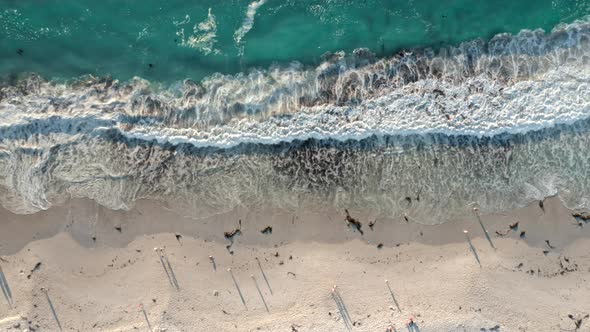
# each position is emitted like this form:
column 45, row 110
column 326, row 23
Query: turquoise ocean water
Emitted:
column 122, row 37
column 212, row 105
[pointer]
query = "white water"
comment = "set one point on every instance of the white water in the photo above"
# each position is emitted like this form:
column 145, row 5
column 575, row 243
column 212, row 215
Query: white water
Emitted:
column 56, row 139
column 204, row 36
column 537, row 80
column 247, row 24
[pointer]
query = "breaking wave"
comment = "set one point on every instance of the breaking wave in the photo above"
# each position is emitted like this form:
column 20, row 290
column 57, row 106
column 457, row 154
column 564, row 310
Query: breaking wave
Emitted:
column 448, row 126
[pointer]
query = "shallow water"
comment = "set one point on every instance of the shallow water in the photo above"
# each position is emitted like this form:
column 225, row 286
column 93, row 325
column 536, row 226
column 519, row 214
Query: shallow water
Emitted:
column 466, row 115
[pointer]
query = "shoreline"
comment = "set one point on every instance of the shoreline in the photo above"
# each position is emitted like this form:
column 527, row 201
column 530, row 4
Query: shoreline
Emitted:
column 84, row 219
column 523, row 285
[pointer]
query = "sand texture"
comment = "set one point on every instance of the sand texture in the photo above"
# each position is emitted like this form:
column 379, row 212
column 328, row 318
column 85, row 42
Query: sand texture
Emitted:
column 99, row 269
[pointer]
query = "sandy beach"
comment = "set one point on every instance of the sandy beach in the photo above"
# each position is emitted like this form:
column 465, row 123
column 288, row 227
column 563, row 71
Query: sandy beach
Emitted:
column 101, row 273
column 296, row 166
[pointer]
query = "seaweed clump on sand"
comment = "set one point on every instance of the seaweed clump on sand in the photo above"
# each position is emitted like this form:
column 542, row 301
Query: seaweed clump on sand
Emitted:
column 354, row 222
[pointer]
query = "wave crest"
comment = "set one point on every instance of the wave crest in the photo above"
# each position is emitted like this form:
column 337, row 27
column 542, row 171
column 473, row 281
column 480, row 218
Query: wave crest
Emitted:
column 354, row 131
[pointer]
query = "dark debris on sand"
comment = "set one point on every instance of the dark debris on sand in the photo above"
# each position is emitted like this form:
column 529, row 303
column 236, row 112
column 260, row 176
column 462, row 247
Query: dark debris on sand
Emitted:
column 353, row 222
column 267, row 230
column 230, row 235
column 578, row 321
column 372, row 223
column 501, row 234
column 511, row 227
column 35, row 268
column 583, row 215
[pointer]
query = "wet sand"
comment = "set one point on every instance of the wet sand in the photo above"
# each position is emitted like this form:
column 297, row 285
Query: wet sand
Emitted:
column 99, row 265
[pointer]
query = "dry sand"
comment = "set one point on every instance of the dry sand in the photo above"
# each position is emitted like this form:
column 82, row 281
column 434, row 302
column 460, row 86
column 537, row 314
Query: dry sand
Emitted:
column 97, row 276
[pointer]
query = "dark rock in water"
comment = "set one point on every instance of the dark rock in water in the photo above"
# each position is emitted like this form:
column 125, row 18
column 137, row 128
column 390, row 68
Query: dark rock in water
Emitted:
column 20, row 51
column 267, row 230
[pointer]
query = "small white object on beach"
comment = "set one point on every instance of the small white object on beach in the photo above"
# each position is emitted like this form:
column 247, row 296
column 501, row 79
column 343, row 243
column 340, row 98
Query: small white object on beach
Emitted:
column 212, row 260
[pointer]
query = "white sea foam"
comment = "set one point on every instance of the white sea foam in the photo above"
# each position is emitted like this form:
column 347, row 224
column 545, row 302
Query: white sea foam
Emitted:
column 248, row 23
column 203, row 37
column 57, row 139
column 522, row 83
